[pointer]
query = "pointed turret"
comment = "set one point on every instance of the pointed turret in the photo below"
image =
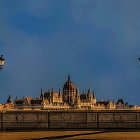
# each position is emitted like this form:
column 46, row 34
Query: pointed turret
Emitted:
column 9, row 100
column 93, row 94
column 52, row 94
column 15, row 99
column 77, row 91
column 94, row 97
column 89, row 92
column 59, row 92
column 41, row 94
column 90, row 97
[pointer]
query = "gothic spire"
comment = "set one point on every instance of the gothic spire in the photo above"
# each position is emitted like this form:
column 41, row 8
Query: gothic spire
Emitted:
column 41, row 94
column 89, row 91
column 15, row 99
column 94, row 94
column 59, row 92
column 68, row 77
column 41, row 91
column 9, row 100
column 77, row 91
column 51, row 93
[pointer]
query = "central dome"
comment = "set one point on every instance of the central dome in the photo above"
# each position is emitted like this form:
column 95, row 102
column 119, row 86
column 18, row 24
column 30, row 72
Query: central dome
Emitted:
column 69, row 85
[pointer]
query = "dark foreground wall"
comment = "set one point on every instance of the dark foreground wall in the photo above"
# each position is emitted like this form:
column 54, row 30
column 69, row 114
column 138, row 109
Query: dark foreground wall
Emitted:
column 69, row 119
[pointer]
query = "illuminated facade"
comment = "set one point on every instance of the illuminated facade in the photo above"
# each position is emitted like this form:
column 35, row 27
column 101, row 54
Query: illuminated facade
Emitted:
column 69, row 99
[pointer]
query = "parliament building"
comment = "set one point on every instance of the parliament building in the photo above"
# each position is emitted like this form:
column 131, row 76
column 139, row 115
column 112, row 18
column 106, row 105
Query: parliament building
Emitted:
column 68, row 99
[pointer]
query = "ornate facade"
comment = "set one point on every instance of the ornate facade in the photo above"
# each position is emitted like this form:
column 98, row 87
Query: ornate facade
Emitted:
column 69, row 99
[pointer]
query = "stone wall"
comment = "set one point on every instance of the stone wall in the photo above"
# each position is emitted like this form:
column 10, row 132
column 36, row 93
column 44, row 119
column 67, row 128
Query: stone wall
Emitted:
column 24, row 120
column 69, row 119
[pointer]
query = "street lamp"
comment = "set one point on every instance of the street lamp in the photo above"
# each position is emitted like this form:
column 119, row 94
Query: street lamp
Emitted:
column 1, row 62
column 139, row 59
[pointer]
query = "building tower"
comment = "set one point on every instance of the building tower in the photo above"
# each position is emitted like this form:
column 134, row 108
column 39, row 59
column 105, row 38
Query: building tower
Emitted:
column 69, row 92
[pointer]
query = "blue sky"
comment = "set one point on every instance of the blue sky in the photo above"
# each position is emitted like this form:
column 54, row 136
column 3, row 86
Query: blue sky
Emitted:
column 97, row 42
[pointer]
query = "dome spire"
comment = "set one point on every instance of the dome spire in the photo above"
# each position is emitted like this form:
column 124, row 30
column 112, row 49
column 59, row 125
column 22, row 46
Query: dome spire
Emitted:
column 68, row 77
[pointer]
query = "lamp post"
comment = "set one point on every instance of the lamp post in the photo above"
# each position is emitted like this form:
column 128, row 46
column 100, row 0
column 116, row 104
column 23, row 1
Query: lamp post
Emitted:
column 1, row 61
